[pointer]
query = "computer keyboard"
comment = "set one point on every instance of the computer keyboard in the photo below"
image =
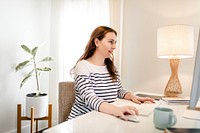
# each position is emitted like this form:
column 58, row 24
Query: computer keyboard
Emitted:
column 145, row 109
column 151, row 95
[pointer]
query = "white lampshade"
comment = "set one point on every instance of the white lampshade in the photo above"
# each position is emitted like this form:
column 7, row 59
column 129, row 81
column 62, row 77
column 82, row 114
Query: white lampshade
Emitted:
column 175, row 41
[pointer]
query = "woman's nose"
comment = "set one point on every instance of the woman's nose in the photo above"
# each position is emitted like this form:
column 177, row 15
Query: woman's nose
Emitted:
column 114, row 46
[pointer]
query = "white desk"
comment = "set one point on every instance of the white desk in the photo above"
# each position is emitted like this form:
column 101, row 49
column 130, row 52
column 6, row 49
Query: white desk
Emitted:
column 96, row 122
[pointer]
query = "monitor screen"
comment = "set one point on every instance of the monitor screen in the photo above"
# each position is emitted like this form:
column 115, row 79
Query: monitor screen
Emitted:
column 195, row 91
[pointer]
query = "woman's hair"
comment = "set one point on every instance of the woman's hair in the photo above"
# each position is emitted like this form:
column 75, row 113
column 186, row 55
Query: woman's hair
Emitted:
column 99, row 33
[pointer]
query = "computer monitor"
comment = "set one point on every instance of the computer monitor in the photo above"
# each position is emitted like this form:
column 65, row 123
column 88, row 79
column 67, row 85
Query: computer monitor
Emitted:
column 195, row 91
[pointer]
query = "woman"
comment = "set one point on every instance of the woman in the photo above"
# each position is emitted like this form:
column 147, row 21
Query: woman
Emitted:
column 97, row 81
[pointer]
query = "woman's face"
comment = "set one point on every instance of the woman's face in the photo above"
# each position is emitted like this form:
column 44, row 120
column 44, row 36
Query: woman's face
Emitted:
column 107, row 45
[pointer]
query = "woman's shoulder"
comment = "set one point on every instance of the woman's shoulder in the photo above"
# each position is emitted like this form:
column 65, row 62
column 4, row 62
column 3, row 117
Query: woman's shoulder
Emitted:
column 81, row 67
column 81, row 62
column 85, row 67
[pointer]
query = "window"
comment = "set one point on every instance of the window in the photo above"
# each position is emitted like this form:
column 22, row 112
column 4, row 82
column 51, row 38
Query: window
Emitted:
column 79, row 19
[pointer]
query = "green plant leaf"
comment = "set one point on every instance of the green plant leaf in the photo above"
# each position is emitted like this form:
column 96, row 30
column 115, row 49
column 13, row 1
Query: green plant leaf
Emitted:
column 25, row 48
column 36, row 72
column 21, row 65
column 24, row 80
column 34, row 51
column 44, row 69
column 30, row 73
column 47, row 59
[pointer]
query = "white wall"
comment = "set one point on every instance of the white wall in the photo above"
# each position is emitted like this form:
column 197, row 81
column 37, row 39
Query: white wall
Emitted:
column 56, row 75
column 141, row 69
column 21, row 22
column 28, row 21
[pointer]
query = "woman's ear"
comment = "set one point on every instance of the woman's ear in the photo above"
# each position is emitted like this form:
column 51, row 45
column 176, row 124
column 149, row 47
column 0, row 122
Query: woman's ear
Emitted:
column 96, row 41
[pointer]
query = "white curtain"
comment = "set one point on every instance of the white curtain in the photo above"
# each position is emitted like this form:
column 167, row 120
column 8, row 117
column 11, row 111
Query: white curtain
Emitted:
column 72, row 22
column 79, row 19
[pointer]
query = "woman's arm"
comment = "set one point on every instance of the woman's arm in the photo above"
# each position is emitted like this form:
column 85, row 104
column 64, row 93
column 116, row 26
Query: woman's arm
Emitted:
column 108, row 108
column 129, row 96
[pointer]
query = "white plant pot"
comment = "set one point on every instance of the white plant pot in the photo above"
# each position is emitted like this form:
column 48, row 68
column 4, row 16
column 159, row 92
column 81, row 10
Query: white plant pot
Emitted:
column 40, row 104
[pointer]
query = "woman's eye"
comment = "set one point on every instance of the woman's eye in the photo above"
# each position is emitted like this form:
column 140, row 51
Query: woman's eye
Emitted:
column 112, row 42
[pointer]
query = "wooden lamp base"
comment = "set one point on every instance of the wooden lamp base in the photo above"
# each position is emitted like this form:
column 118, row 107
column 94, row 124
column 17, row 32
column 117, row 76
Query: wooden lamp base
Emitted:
column 173, row 88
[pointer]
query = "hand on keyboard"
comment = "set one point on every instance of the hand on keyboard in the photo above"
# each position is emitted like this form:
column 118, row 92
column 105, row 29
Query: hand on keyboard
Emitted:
column 148, row 102
column 144, row 109
column 137, row 99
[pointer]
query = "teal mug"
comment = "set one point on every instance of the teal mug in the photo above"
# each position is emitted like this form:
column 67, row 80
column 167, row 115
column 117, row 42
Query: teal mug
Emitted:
column 164, row 118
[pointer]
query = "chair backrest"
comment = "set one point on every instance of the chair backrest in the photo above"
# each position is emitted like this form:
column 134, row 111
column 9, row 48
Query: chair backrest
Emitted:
column 66, row 100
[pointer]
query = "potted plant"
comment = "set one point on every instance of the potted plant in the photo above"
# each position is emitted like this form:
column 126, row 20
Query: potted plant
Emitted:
column 37, row 100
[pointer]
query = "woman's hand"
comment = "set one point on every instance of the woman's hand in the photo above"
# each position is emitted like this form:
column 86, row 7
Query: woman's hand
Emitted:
column 137, row 99
column 119, row 112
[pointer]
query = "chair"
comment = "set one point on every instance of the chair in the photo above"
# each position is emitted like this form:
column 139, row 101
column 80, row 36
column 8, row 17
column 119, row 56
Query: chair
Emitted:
column 66, row 100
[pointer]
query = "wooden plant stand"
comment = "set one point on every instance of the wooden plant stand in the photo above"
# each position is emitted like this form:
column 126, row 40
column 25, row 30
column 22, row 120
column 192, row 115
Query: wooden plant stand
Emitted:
column 32, row 119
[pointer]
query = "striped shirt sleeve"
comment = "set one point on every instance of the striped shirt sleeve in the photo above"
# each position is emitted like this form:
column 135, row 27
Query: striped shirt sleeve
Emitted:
column 87, row 93
column 121, row 92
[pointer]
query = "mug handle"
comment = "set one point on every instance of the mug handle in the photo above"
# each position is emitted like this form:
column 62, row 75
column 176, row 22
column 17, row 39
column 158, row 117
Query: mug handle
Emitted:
column 173, row 120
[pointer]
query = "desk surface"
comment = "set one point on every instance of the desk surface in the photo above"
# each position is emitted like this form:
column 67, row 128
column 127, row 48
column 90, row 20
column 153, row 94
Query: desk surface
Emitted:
column 102, row 123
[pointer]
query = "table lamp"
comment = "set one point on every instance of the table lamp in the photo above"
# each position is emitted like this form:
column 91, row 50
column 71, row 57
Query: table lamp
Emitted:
column 175, row 42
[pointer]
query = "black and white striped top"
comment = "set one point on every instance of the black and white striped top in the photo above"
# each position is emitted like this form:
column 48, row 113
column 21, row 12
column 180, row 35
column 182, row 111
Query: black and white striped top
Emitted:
column 93, row 86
